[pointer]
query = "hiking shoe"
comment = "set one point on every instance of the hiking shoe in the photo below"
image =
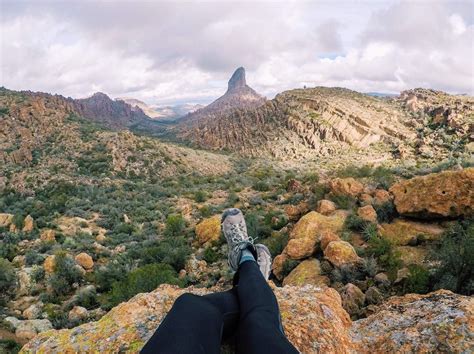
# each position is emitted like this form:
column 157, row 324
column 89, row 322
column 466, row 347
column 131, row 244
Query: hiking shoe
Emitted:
column 235, row 231
column 264, row 260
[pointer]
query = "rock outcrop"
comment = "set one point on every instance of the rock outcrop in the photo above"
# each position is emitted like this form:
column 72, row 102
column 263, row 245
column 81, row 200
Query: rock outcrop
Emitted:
column 445, row 194
column 313, row 319
column 238, row 96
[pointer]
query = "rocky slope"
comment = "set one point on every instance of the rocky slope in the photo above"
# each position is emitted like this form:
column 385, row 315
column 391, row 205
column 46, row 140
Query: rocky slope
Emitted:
column 162, row 112
column 313, row 319
column 238, row 96
column 306, row 123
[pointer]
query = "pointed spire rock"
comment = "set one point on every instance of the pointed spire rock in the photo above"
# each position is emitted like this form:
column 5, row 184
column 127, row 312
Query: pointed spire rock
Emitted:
column 237, row 80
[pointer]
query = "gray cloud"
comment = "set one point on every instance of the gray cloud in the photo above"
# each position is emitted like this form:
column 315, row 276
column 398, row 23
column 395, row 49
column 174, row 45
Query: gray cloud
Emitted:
column 185, row 51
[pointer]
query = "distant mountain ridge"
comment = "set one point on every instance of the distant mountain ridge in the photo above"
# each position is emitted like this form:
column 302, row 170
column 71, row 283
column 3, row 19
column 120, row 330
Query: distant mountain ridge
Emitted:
column 238, row 96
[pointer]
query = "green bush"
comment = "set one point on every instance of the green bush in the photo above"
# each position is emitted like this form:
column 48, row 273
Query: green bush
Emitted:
column 261, row 186
column 276, row 243
column 200, row 196
column 8, row 245
column 418, row 280
column 355, row 222
column 64, row 275
column 9, row 345
column 455, row 255
column 7, row 279
column 175, row 225
column 383, row 250
column 210, row 256
column 143, row 279
column 386, row 212
column 343, row 201
column 171, row 250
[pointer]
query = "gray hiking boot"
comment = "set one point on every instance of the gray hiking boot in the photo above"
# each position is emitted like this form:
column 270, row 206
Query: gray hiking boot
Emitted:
column 264, row 260
column 235, row 231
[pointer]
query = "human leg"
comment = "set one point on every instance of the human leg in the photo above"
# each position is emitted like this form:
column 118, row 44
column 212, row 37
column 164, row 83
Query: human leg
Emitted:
column 196, row 324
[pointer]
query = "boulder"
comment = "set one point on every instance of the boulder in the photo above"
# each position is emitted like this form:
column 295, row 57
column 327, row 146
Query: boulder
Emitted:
column 294, row 212
column 5, row 219
column 28, row 329
column 340, row 253
column 48, row 235
column 28, row 224
column 346, row 186
column 437, row 322
column 84, row 260
column 381, row 196
column 366, row 199
column 24, row 282
column 326, row 237
column 300, row 248
column 307, row 272
column 49, row 264
column 367, row 213
column 208, row 230
column 313, row 223
column 353, row 299
column 312, row 318
column 382, row 278
column 34, row 311
column 403, row 232
column 277, row 265
column 373, row 296
column 325, row 207
column 78, row 313
column 445, row 194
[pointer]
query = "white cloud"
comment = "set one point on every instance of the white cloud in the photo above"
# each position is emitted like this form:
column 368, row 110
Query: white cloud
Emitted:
column 185, row 51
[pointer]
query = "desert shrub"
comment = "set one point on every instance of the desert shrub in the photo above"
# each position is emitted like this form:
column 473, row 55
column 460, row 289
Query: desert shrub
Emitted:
column 210, row 256
column 386, row 212
column 383, row 250
column 175, row 225
column 319, row 190
column 355, row 222
column 346, row 274
column 200, row 196
column 418, row 280
column 9, row 345
column 369, row 266
column 171, row 250
column 383, row 177
column 261, row 186
column 38, row 273
column 143, row 279
column 18, row 221
column 64, row 275
column 57, row 316
column 116, row 270
column 455, row 255
column 32, row 257
column 87, row 297
column 370, row 231
column 232, row 199
column 343, row 201
column 288, row 266
column 275, row 220
column 311, row 177
column 7, row 279
column 8, row 245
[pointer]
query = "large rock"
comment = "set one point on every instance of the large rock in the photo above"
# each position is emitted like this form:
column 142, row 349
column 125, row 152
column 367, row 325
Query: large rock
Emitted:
column 340, row 253
column 313, row 319
column 305, row 236
column 209, row 230
column 352, row 299
column 307, row 272
column 84, row 260
column 277, row 265
column 346, row 186
column 437, row 322
column 445, row 194
column 48, row 235
column 28, row 224
column 49, row 264
column 403, row 232
column 325, row 207
column 5, row 219
column 367, row 213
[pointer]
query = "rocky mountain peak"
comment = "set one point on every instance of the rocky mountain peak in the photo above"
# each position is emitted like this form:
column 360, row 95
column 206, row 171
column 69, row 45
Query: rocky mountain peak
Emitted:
column 237, row 80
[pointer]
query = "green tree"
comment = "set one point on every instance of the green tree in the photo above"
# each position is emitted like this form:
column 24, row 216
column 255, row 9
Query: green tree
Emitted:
column 7, row 279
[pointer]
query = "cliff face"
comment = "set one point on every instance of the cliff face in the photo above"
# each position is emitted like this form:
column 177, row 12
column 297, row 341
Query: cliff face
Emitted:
column 313, row 318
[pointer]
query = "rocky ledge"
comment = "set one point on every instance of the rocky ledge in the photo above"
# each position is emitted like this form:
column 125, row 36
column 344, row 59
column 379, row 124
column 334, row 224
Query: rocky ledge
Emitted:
column 313, row 318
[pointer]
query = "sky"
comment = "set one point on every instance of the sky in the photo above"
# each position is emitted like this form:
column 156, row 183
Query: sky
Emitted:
column 170, row 52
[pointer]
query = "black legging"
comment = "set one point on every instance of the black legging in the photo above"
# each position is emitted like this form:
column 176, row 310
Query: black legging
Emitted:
column 197, row 324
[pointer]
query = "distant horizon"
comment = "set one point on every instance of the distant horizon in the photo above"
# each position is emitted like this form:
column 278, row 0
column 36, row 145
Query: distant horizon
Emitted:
column 206, row 102
column 174, row 52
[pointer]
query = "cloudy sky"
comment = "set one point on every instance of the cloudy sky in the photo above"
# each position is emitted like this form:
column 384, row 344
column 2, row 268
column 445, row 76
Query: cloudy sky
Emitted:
column 185, row 51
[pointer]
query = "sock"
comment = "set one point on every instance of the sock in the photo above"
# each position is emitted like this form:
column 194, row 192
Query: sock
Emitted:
column 246, row 256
